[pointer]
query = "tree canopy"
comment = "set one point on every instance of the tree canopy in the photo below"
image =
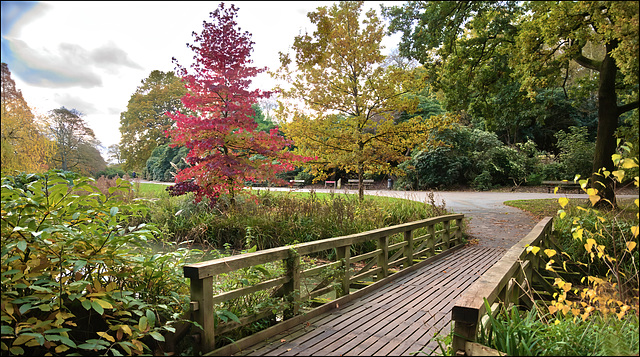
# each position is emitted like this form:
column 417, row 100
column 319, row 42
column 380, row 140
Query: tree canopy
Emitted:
column 75, row 142
column 144, row 123
column 342, row 103
column 225, row 149
column 24, row 145
column 484, row 50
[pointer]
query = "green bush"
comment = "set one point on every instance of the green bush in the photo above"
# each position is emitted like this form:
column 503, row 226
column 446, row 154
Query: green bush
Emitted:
column 469, row 156
column 111, row 172
column 159, row 165
column 518, row 333
column 576, row 152
column 77, row 277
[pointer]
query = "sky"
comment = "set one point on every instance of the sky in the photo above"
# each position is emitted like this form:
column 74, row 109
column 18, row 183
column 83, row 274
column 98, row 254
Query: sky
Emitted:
column 91, row 56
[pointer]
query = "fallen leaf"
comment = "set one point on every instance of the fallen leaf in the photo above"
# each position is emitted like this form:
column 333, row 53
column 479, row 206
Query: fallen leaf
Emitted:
column 283, row 340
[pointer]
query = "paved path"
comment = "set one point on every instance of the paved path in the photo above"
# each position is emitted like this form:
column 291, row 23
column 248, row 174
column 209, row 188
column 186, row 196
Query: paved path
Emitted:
column 489, row 220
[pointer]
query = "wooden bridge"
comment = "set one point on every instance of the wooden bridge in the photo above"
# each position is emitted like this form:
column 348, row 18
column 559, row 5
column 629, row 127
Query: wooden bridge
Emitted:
column 393, row 300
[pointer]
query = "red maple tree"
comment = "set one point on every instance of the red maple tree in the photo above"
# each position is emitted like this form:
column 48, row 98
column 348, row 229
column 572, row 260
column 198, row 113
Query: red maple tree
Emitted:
column 226, row 151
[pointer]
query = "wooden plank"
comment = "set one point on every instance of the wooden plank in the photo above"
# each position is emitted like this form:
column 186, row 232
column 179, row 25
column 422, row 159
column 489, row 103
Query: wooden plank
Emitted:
column 227, row 264
column 262, row 335
column 249, row 289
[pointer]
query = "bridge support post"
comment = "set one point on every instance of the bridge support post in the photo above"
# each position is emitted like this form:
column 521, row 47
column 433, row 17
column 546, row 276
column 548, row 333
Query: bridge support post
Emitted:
column 408, row 249
column 446, row 237
column 459, row 231
column 431, row 241
column 344, row 254
column 203, row 311
column 292, row 288
column 383, row 257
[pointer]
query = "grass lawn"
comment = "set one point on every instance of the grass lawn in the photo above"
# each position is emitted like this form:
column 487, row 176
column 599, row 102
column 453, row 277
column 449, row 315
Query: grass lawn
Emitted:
column 549, row 206
column 150, row 189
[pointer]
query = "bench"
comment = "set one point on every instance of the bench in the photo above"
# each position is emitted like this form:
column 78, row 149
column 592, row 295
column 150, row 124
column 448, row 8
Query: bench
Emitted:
column 354, row 183
column 297, row 183
column 329, row 183
column 562, row 185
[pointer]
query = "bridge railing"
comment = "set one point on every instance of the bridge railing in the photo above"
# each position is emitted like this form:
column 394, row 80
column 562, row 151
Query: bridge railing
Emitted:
column 506, row 283
column 397, row 248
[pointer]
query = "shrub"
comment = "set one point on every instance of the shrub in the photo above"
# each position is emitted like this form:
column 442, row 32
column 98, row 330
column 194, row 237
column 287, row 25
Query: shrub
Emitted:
column 111, row 172
column 469, row 156
column 76, row 277
column 576, row 152
column 159, row 165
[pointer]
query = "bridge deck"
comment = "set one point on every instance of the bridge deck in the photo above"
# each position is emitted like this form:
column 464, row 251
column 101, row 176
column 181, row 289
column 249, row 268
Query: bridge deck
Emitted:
column 400, row 318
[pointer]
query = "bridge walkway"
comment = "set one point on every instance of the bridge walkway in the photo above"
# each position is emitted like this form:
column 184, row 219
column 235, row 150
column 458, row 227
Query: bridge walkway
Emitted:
column 400, row 318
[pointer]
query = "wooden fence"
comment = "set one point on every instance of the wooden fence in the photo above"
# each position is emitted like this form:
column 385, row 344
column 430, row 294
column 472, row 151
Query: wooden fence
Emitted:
column 399, row 249
column 507, row 283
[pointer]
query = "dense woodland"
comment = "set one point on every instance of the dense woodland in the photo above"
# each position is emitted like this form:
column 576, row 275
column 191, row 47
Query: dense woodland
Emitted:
column 478, row 94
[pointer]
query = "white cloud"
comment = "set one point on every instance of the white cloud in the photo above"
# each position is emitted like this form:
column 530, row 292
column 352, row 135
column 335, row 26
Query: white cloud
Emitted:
column 93, row 55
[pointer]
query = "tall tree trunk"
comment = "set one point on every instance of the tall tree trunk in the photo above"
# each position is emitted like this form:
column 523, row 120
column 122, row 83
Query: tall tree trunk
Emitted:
column 360, row 183
column 608, row 114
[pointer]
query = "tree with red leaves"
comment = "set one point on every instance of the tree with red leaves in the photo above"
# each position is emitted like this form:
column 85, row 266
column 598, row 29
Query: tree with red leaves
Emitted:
column 226, row 150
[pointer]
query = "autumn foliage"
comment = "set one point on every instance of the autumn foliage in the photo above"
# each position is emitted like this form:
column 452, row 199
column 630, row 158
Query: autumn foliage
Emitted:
column 226, row 150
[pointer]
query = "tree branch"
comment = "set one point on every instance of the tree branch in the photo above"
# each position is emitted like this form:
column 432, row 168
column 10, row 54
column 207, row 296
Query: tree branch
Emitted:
column 627, row 107
column 588, row 63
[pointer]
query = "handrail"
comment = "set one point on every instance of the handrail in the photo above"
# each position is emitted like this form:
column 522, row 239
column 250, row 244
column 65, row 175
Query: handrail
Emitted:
column 500, row 285
column 399, row 252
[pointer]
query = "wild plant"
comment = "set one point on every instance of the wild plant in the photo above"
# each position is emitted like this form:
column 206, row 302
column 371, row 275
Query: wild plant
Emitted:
column 76, row 278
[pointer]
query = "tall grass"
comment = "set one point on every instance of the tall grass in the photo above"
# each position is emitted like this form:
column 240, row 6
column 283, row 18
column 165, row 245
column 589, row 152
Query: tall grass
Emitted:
column 271, row 219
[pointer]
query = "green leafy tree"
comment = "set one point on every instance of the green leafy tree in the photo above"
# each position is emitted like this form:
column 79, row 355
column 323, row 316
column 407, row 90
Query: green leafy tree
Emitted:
column 165, row 161
column 350, row 100
column 144, row 123
column 537, row 44
column 553, row 34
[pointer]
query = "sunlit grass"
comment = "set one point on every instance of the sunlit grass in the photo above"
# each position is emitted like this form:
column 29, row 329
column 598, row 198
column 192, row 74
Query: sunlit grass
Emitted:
column 548, row 207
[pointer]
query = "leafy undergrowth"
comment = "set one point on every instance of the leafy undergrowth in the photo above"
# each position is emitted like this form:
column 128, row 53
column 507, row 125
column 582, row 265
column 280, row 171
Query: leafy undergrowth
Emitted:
column 594, row 270
column 76, row 277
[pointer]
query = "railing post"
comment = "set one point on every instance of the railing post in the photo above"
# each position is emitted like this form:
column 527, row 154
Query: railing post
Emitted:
column 383, row 257
column 446, row 238
column 459, row 231
column 292, row 287
column 431, row 243
column 203, row 311
column 465, row 327
column 344, row 254
column 408, row 249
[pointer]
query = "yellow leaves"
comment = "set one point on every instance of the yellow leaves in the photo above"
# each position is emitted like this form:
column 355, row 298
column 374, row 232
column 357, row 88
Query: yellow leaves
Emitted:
column 549, row 265
column 563, row 201
column 629, row 163
column 593, row 196
column 619, row 175
column 106, row 336
column 562, row 213
column 634, row 231
column 632, row 245
column 533, row 249
column 550, row 252
column 126, row 329
column 104, row 304
column 578, row 233
column 562, row 285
